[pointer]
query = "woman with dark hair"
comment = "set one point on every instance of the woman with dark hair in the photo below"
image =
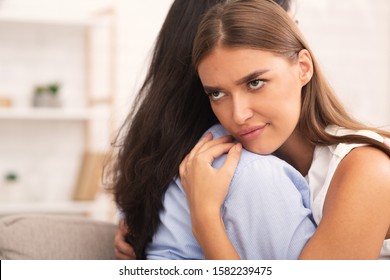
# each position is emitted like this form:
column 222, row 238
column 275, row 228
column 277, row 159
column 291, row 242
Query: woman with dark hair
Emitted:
column 267, row 90
column 163, row 125
column 169, row 116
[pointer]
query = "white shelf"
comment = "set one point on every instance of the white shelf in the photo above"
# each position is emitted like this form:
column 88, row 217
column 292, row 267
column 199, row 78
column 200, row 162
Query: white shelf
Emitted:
column 44, row 114
column 55, row 207
column 64, row 17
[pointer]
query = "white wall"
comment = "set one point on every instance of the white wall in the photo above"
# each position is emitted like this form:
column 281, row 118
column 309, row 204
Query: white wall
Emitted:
column 351, row 39
column 139, row 24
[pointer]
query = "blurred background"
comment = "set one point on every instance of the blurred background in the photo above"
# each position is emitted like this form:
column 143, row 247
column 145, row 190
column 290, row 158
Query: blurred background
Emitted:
column 69, row 71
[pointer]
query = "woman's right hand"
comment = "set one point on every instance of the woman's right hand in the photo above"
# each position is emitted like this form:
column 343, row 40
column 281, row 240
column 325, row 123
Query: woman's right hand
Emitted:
column 206, row 188
column 123, row 250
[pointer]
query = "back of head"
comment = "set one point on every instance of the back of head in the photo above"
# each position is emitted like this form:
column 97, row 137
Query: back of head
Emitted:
column 169, row 116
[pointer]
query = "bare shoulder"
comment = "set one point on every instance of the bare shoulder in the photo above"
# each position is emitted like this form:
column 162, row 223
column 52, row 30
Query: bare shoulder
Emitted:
column 356, row 209
column 357, row 205
column 363, row 177
column 367, row 163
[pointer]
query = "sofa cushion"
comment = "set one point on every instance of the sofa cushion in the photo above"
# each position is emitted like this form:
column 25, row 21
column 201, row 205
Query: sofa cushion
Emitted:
column 44, row 237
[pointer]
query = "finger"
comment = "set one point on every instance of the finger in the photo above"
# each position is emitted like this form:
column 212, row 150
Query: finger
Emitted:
column 182, row 166
column 121, row 256
column 217, row 141
column 123, row 226
column 232, row 159
column 208, row 156
column 203, row 146
column 194, row 151
column 208, row 137
column 214, row 152
column 125, row 249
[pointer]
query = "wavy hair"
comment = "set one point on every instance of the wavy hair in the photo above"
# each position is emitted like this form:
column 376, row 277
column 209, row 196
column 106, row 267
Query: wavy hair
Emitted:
column 263, row 25
column 169, row 115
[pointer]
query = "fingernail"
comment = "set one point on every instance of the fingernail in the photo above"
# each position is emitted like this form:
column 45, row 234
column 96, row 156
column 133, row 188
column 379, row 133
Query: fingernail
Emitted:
column 238, row 147
column 209, row 134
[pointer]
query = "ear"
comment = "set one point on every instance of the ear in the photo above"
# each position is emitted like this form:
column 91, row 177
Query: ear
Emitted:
column 305, row 66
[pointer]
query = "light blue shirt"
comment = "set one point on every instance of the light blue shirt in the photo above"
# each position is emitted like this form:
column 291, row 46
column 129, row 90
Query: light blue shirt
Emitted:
column 266, row 212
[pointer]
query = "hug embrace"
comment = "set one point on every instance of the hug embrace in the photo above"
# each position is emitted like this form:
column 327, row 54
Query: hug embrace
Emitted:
column 284, row 172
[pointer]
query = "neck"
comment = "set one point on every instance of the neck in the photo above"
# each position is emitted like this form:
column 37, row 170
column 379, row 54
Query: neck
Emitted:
column 297, row 151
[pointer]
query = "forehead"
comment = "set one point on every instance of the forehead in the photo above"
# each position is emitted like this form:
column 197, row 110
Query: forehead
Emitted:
column 236, row 62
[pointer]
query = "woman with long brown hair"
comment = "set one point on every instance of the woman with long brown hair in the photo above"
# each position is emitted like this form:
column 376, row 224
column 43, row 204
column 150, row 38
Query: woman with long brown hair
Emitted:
column 267, row 90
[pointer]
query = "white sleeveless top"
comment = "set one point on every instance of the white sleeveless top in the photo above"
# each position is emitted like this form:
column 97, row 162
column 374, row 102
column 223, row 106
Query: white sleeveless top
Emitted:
column 325, row 161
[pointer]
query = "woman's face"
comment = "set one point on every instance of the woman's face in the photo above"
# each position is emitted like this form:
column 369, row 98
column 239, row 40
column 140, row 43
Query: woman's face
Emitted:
column 255, row 94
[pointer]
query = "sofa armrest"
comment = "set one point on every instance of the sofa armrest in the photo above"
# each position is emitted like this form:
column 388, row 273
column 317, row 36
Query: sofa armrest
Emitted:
column 45, row 237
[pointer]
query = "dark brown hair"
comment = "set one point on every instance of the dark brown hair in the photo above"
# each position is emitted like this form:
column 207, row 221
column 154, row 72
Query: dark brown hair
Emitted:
column 170, row 114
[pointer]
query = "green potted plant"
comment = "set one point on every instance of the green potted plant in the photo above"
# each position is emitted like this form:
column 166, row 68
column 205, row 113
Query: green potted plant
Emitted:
column 47, row 95
column 11, row 189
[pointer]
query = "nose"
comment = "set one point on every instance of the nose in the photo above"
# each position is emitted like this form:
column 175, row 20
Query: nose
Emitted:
column 242, row 110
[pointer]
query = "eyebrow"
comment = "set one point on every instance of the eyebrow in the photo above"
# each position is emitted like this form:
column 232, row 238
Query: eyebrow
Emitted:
column 251, row 76
column 246, row 79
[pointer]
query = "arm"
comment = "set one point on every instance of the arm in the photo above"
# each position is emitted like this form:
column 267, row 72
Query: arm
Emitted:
column 266, row 212
column 356, row 213
column 205, row 206
column 350, row 212
column 173, row 238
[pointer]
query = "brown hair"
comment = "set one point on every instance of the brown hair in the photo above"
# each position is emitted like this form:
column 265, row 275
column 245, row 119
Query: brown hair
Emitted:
column 263, row 25
column 169, row 115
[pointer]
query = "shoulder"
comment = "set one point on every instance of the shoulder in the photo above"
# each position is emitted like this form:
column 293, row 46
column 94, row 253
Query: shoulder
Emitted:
column 366, row 162
column 268, row 177
column 356, row 208
column 261, row 170
column 363, row 176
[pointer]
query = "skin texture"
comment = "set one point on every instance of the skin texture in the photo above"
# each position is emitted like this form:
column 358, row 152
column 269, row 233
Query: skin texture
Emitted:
column 252, row 89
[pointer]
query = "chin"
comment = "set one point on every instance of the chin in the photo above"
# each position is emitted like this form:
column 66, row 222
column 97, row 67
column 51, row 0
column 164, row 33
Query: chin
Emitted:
column 259, row 150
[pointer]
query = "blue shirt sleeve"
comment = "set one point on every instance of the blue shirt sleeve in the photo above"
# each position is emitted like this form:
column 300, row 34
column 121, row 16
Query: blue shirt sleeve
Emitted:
column 174, row 239
column 266, row 213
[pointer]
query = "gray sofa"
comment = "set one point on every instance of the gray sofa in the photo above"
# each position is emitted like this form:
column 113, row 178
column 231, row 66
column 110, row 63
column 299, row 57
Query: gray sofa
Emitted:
column 53, row 237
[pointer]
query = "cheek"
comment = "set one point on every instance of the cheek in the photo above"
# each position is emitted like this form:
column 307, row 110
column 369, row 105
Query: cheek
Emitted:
column 222, row 113
column 218, row 111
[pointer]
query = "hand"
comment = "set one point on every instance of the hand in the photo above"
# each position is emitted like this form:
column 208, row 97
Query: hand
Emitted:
column 206, row 187
column 123, row 250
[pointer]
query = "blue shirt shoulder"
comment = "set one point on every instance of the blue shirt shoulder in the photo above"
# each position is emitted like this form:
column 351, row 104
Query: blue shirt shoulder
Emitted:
column 266, row 212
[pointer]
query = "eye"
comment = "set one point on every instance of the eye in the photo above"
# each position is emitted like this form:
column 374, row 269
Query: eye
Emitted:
column 216, row 95
column 255, row 84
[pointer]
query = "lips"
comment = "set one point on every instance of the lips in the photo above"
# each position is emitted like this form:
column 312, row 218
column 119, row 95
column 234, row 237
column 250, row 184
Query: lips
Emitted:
column 251, row 132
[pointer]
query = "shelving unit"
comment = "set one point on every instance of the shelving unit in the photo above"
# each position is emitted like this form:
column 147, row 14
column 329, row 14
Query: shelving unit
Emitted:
column 49, row 114
column 67, row 120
